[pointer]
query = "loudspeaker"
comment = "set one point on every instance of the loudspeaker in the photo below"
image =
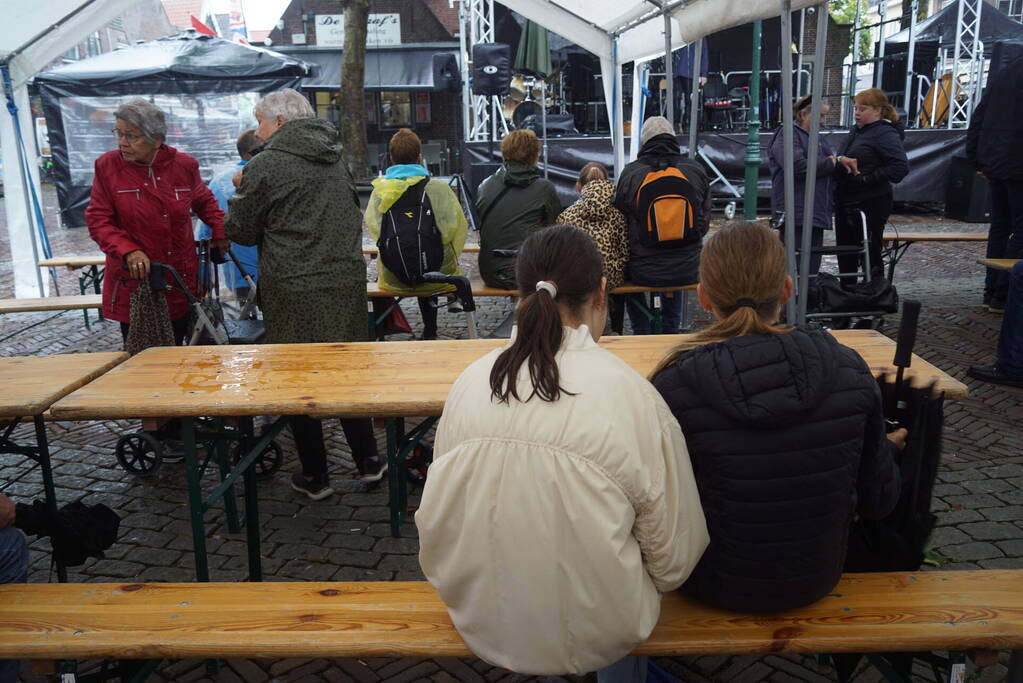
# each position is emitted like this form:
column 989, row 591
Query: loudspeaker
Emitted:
column 968, row 198
column 446, row 75
column 491, row 69
column 1002, row 55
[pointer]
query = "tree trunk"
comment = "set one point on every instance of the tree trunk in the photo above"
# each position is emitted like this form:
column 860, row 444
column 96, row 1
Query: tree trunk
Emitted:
column 352, row 104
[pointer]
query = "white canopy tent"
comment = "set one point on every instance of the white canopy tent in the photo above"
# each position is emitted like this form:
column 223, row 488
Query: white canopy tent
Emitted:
column 31, row 36
column 619, row 33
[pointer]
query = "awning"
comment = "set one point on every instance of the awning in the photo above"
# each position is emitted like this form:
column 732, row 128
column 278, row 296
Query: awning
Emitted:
column 389, row 69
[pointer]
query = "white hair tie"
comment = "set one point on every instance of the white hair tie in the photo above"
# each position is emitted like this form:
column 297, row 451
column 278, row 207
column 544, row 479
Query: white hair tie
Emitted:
column 548, row 287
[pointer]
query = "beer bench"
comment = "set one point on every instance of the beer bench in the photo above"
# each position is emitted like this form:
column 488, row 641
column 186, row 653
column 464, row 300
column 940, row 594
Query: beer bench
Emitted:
column 53, row 303
column 998, row 263
column 976, row 611
column 897, row 243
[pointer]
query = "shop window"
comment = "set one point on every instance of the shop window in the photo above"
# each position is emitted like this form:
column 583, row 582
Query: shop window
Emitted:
column 395, row 110
column 328, row 106
column 423, row 112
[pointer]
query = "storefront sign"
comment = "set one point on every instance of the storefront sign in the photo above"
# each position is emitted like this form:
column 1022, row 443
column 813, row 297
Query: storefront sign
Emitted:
column 383, row 29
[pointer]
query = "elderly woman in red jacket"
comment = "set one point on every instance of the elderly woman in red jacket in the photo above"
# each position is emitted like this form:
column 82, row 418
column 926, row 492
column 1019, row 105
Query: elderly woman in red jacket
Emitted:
column 143, row 196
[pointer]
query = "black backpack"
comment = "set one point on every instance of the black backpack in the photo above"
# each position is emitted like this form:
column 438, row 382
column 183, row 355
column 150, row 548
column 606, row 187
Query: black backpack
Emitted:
column 666, row 204
column 410, row 242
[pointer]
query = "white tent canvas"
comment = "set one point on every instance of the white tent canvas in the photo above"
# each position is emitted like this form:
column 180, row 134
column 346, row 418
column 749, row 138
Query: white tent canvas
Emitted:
column 31, row 36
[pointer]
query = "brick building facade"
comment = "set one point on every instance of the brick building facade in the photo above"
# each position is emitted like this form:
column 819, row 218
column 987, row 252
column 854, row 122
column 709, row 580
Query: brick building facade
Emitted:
column 404, row 36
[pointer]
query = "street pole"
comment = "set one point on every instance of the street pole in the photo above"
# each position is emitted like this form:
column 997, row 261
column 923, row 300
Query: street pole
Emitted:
column 749, row 194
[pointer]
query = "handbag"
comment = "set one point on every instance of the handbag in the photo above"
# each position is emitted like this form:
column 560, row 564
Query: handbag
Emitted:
column 877, row 295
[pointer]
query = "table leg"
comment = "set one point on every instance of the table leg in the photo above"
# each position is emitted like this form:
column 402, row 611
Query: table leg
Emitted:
column 43, row 451
column 252, row 529
column 195, row 502
column 393, row 444
column 223, row 464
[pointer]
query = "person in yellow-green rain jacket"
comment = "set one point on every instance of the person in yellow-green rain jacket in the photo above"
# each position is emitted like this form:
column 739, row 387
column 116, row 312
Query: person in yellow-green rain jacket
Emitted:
column 406, row 170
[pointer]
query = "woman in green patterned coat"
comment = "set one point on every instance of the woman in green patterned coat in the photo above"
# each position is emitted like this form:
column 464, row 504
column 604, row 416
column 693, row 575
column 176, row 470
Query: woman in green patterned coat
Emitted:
column 297, row 201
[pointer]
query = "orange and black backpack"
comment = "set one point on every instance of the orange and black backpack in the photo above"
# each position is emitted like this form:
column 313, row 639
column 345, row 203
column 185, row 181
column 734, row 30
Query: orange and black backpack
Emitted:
column 666, row 204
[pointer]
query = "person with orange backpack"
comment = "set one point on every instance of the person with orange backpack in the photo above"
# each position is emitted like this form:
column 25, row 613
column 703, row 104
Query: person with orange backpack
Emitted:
column 666, row 199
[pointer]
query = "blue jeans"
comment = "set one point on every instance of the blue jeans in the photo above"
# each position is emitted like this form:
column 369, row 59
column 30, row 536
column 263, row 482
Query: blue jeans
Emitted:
column 13, row 569
column 1005, row 237
column 1010, row 341
column 625, row 670
column 671, row 313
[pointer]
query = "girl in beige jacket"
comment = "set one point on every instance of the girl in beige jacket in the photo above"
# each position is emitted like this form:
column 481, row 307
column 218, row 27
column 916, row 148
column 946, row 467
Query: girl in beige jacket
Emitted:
column 561, row 502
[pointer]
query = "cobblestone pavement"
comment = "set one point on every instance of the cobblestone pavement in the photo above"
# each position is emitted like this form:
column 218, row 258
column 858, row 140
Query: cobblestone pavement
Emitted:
column 979, row 497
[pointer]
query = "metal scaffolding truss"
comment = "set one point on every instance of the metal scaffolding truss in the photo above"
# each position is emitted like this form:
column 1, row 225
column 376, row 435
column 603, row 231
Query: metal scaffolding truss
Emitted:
column 482, row 115
column 967, row 63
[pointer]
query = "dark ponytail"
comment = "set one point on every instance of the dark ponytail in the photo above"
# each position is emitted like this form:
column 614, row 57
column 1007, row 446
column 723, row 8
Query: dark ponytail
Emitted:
column 568, row 259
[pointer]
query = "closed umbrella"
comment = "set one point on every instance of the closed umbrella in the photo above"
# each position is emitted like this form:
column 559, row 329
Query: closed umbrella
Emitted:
column 533, row 56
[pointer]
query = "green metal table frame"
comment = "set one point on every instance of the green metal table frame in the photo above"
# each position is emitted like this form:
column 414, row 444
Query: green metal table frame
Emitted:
column 399, row 445
column 250, row 448
column 40, row 455
column 92, row 276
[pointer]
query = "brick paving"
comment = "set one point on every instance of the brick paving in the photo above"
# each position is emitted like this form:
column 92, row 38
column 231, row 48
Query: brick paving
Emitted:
column 978, row 497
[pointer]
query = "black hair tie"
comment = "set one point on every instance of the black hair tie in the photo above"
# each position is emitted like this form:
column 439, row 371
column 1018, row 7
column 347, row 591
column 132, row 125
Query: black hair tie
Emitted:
column 746, row 301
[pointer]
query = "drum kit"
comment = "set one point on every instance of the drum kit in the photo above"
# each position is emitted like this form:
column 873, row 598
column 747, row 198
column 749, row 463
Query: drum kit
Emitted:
column 530, row 96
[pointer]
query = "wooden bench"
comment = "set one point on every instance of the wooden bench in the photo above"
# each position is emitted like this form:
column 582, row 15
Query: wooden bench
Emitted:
column 961, row 611
column 898, row 242
column 998, row 263
column 83, row 303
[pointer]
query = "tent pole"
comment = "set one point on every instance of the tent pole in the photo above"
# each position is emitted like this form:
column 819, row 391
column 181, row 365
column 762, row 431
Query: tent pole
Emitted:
column 788, row 163
column 749, row 195
column 669, row 70
column 909, row 61
column 879, row 64
column 694, row 103
column 799, row 60
column 543, row 122
column 811, row 163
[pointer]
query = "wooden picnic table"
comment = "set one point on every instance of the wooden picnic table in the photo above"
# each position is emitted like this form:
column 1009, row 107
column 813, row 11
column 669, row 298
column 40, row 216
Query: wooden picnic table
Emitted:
column 899, row 241
column 394, row 381
column 998, row 263
column 31, row 385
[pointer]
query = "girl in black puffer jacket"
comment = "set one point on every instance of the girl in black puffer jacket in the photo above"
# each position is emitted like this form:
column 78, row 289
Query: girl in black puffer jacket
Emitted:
column 785, row 433
column 872, row 160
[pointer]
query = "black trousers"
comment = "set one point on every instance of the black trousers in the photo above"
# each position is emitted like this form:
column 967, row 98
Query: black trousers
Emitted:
column 312, row 452
column 1005, row 237
column 849, row 231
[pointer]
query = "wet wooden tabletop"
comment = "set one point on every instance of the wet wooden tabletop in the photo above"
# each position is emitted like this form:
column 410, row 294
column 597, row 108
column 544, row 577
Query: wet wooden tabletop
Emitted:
column 366, row 379
column 32, row 383
column 922, row 611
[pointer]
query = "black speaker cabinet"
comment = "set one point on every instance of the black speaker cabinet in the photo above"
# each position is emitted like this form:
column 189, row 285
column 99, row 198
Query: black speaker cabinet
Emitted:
column 491, row 69
column 968, row 197
column 446, row 74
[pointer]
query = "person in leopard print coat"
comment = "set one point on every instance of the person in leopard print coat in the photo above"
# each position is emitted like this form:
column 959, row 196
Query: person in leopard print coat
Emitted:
column 594, row 214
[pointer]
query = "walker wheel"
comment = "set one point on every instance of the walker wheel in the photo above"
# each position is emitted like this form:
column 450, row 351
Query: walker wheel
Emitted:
column 268, row 462
column 139, row 453
column 730, row 210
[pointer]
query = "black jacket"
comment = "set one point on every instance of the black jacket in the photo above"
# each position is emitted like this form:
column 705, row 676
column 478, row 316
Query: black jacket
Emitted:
column 787, row 441
column 654, row 266
column 994, row 142
column 878, row 149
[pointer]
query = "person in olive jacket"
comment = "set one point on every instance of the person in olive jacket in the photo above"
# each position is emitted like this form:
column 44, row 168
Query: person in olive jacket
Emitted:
column 785, row 432
column 872, row 160
column 296, row 200
column 512, row 204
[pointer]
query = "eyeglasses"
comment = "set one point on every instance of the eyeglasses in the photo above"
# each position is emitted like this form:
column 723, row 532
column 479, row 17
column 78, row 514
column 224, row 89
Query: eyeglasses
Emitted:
column 130, row 138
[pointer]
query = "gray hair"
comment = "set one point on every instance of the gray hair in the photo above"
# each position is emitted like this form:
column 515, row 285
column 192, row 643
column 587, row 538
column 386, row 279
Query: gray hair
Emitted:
column 145, row 116
column 288, row 104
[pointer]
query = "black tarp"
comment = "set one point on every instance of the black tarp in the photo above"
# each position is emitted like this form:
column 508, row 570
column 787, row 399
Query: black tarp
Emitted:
column 939, row 30
column 930, row 153
column 386, row 69
column 206, row 85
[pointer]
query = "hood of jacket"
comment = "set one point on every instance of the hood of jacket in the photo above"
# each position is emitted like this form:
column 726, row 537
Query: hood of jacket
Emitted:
column 764, row 379
column 594, row 200
column 878, row 127
column 518, row 174
column 659, row 146
column 389, row 190
column 314, row 140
